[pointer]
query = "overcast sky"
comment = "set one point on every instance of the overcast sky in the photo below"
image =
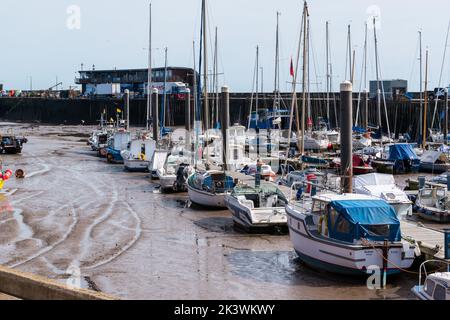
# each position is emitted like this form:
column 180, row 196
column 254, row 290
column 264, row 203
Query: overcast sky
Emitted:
column 37, row 42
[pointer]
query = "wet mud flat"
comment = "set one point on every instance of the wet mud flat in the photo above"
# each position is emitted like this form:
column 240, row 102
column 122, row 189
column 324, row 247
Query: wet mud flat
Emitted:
column 73, row 211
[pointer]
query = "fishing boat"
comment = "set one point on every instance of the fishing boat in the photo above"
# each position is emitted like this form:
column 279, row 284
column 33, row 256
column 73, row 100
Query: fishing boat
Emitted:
column 383, row 186
column 433, row 203
column 434, row 162
column 348, row 234
column 401, row 159
column 209, row 188
column 116, row 143
column 435, row 286
column 259, row 207
column 139, row 152
column 173, row 175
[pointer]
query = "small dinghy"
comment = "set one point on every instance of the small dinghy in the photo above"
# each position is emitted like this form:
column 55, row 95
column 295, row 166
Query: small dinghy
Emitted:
column 209, row 188
column 348, row 234
column 259, row 207
column 433, row 204
column 436, row 286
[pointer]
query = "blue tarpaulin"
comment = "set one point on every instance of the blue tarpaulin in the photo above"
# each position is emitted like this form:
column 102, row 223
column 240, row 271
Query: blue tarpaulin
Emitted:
column 374, row 220
column 402, row 152
column 359, row 130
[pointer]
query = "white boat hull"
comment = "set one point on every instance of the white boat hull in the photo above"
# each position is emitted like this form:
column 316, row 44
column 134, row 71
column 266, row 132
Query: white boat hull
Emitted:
column 136, row 165
column 342, row 258
column 256, row 217
column 206, row 199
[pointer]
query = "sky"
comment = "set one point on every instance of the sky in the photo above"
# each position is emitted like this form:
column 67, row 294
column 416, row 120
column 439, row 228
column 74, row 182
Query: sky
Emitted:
column 43, row 41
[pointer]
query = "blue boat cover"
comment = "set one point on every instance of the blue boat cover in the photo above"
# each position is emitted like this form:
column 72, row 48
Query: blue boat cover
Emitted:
column 229, row 183
column 402, row 151
column 374, row 220
column 359, row 130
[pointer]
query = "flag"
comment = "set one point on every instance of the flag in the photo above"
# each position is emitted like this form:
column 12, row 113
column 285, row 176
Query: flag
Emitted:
column 292, row 67
column 118, row 110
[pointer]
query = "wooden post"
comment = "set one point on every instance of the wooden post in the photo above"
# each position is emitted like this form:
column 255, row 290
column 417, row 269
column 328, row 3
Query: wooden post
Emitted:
column 346, row 136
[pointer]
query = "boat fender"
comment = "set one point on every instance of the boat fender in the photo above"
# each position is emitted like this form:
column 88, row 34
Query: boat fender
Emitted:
column 141, row 156
column 323, row 225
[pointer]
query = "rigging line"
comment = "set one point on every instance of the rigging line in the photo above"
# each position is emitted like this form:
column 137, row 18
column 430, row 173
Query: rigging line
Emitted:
column 440, row 76
column 252, row 96
column 362, row 76
column 414, row 61
column 294, row 95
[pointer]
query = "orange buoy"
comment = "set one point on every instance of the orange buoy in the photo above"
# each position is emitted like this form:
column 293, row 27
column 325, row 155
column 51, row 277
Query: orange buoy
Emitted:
column 7, row 175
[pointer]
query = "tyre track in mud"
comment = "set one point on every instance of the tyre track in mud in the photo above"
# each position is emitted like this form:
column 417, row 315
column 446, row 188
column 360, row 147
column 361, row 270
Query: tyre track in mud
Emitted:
column 92, row 188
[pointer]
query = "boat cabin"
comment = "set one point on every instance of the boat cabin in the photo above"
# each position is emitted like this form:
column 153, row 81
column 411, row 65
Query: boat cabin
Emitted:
column 265, row 196
column 350, row 218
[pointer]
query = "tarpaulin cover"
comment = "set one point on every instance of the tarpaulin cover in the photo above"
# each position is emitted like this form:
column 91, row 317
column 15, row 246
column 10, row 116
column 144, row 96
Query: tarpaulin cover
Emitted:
column 402, row 152
column 373, row 179
column 359, row 130
column 432, row 156
column 374, row 220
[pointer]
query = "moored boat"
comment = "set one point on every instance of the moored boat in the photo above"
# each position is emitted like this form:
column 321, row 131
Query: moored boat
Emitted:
column 348, row 233
column 209, row 188
column 259, row 207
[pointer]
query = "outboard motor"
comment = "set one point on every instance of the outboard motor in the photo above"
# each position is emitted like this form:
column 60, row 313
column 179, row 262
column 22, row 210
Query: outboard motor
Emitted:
column 182, row 176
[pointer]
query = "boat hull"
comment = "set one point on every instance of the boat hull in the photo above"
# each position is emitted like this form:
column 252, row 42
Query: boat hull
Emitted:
column 434, row 168
column 136, row 165
column 206, row 199
column 338, row 257
column 256, row 219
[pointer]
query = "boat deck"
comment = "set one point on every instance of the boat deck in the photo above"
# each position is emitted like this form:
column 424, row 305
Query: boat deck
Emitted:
column 430, row 241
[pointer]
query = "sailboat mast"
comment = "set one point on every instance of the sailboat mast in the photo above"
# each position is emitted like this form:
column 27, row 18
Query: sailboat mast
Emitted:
column 277, row 66
column 425, row 111
column 163, row 114
column 349, row 42
column 216, row 78
column 257, row 82
column 421, row 81
column 149, row 77
column 328, row 71
column 205, row 67
column 377, row 75
column 305, row 70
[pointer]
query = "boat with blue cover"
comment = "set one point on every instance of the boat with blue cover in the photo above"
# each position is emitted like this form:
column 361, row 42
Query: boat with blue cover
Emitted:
column 209, row 188
column 348, row 234
column 401, row 159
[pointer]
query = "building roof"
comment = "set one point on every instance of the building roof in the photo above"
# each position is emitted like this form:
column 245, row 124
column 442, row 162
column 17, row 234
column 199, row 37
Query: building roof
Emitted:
column 132, row 70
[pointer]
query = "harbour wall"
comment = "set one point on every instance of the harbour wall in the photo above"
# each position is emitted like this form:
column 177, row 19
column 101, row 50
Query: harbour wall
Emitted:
column 403, row 114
